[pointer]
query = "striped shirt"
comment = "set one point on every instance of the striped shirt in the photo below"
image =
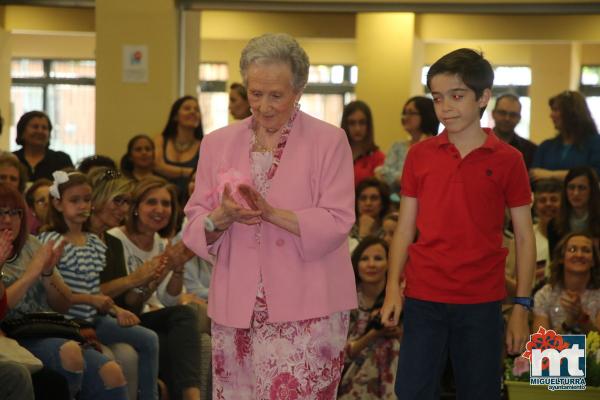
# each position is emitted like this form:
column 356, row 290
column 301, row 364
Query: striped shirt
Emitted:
column 80, row 267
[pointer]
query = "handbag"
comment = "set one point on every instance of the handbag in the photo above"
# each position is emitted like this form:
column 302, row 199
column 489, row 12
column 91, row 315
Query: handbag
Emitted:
column 42, row 325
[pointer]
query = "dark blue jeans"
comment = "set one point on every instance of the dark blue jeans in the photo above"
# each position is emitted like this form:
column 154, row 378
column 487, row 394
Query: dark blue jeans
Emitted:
column 471, row 334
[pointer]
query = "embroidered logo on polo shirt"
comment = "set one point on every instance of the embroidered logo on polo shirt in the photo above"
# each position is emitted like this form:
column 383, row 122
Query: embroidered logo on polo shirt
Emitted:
column 488, row 172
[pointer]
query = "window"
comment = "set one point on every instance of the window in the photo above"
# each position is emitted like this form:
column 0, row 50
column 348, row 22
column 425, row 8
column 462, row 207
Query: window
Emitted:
column 63, row 89
column 590, row 87
column 213, row 95
column 507, row 79
column 329, row 88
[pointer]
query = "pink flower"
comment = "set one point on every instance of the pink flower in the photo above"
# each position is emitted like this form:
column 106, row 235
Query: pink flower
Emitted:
column 521, row 366
column 242, row 345
column 233, row 178
column 285, row 386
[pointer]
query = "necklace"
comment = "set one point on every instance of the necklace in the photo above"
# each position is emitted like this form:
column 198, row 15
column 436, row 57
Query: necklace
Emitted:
column 260, row 147
column 182, row 147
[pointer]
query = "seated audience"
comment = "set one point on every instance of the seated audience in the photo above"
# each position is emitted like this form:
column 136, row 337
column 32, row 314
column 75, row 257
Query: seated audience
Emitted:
column 546, row 206
column 372, row 349
column 12, row 172
column 152, row 214
column 372, row 204
column 577, row 143
column 95, row 161
column 420, row 121
column 390, row 221
column 82, row 261
column 570, row 303
column 33, row 135
column 138, row 162
column 37, row 197
column 33, row 285
column 579, row 207
column 239, row 108
column 357, row 122
column 507, row 115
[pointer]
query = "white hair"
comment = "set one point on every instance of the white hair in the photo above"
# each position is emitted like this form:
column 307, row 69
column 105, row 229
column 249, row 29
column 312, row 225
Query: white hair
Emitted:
column 276, row 47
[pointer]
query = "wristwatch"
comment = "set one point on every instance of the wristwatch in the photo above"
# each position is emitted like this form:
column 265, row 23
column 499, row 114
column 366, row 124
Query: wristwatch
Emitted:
column 526, row 302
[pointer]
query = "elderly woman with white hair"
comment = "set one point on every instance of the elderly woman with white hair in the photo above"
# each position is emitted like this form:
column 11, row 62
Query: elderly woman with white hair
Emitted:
column 272, row 210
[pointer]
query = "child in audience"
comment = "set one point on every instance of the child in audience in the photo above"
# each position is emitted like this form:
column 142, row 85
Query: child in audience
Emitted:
column 455, row 188
column 33, row 285
column 82, row 261
column 389, row 226
column 372, row 349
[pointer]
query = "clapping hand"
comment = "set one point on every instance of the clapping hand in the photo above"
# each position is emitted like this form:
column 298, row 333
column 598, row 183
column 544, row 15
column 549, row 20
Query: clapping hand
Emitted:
column 46, row 258
column 177, row 255
column 571, row 302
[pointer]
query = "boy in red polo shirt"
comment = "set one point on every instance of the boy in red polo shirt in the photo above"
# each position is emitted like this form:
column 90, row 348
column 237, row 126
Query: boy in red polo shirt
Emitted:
column 455, row 188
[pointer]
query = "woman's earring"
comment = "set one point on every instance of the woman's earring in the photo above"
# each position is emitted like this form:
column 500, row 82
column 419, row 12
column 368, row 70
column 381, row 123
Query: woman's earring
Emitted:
column 135, row 213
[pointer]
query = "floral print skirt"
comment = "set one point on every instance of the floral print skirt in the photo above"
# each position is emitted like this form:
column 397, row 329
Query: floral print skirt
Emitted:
column 279, row 361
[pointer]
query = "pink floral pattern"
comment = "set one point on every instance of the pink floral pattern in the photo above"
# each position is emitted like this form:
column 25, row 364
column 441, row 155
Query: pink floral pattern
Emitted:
column 299, row 360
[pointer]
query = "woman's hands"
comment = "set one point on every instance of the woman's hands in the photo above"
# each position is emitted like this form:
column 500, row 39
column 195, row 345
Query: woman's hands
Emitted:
column 231, row 211
column 45, row 259
column 570, row 301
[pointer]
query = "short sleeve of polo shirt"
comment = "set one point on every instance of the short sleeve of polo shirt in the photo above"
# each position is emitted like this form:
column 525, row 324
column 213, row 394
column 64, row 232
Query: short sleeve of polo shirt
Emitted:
column 409, row 185
column 517, row 188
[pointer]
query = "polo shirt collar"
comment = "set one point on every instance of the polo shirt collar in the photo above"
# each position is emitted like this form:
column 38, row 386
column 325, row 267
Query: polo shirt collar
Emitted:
column 491, row 142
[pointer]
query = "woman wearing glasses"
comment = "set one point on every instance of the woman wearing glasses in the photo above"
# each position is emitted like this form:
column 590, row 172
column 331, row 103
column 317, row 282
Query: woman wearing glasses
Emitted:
column 37, row 197
column 570, row 303
column 419, row 120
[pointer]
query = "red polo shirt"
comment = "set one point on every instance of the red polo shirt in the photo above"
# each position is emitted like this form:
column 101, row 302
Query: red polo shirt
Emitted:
column 458, row 257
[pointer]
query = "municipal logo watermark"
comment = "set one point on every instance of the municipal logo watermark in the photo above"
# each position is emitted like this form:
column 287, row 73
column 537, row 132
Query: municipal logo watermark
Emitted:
column 555, row 360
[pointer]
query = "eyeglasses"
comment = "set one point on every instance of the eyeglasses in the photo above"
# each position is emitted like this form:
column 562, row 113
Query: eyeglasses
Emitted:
column 584, row 249
column 11, row 212
column 504, row 113
column 120, row 200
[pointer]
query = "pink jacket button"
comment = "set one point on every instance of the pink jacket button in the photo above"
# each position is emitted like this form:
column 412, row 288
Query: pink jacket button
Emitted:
column 279, row 242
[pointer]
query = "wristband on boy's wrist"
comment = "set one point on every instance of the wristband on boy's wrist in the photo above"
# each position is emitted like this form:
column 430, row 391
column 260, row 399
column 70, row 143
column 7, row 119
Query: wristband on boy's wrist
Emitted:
column 526, row 302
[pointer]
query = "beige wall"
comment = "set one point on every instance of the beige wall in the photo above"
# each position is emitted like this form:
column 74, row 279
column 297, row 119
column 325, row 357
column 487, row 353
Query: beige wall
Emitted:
column 554, row 46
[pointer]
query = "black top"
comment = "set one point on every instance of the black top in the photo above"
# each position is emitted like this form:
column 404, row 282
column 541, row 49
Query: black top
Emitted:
column 526, row 148
column 52, row 161
column 115, row 264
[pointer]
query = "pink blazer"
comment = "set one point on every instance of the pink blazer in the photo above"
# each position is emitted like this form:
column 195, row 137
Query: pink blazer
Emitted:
column 306, row 276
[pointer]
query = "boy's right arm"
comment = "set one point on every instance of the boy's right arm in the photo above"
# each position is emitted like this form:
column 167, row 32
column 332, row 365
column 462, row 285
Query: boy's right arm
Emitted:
column 403, row 237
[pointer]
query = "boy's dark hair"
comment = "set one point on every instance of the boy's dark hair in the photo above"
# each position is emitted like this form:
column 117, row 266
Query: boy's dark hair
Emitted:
column 474, row 70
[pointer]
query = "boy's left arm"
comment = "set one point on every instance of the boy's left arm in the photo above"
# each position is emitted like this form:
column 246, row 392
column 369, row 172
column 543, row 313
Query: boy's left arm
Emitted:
column 518, row 330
